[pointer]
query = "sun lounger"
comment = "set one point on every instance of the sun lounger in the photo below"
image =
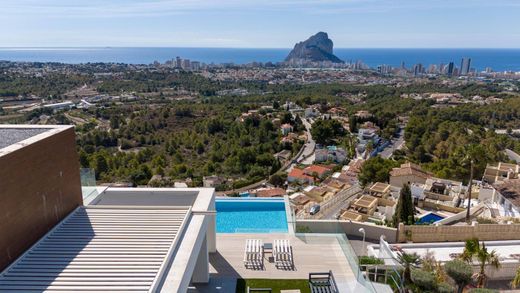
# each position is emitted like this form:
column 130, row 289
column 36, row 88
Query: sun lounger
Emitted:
column 282, row 253
column 254, row 253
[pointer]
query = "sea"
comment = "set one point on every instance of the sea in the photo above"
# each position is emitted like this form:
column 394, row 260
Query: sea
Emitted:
column 497, row 59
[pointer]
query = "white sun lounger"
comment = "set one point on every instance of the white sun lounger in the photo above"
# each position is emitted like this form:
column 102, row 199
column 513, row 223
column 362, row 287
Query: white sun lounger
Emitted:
column 282, row 253
column 254, row 253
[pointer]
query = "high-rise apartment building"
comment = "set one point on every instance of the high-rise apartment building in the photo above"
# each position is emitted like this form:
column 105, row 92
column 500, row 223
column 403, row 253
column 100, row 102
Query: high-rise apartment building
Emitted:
column 451, row 69
column 465, row 66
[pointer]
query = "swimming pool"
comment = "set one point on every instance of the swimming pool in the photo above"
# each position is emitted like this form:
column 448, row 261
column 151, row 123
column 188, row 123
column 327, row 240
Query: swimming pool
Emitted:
column 429, row 218
column 251, row 216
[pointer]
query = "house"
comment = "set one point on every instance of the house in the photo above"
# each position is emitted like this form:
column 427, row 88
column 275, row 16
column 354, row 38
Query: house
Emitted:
column 311, row 112
column 337, row 111
column 297, row 175
column 508, row 196
column 213, row 181
column 351, row 215
column 299, row 199
column 271, row 192
column 334, row 184
column 352, row 170
column 286, row 129
column 363, row 114
column 499, row 172
column 365, row 205
column 330, row 153
column 59, row 106
column 318, row 170
column 408, row 173
column 380, row 190
column 319, row 193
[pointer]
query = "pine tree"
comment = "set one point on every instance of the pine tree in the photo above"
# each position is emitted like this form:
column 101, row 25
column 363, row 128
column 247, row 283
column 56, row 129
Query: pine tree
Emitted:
column 405, row 209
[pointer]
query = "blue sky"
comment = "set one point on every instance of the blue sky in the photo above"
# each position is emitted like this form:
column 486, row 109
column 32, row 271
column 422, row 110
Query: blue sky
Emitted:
column 260, row 23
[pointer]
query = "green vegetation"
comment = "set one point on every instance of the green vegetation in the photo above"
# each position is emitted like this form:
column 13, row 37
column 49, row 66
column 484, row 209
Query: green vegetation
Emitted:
column 424, row 280
column 376, row 169
column 179, row 141
column 473, row 252
column 181, row 128
column 405, row 209
column 370, row 260
column 326, row 131
column 460, row 272
column 442, row 140
column 409, row 261
column 275, row 285
column 515, row 283
column 482, row 290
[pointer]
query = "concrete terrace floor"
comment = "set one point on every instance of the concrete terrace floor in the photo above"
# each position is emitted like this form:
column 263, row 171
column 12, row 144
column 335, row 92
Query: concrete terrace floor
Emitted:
column 312, row 254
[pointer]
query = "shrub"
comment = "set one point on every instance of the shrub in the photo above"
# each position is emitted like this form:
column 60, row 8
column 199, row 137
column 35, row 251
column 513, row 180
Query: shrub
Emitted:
column 370, row 260
column 482, row 290
column 444, row 288
column 424, row 280
column 460, row 272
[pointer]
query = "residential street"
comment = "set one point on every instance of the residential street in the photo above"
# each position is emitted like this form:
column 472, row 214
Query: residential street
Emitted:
column 396, row 145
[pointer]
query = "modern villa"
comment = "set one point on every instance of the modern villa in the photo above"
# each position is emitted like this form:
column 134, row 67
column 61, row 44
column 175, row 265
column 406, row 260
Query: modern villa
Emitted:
column 58, row 234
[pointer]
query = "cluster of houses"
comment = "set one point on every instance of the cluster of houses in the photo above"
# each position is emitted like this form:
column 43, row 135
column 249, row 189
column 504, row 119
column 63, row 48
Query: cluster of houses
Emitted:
column 315, row 184
column 452, row 98
column 495, row 198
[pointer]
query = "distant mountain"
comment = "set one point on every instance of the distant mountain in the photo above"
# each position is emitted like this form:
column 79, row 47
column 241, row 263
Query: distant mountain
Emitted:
column 315, row 49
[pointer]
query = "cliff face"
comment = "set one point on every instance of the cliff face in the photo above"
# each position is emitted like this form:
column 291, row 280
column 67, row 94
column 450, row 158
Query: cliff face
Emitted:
column 315, row 49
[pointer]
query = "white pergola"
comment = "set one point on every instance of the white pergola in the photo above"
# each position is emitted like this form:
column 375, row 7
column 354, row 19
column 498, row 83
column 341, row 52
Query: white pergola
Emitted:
column 124, row 245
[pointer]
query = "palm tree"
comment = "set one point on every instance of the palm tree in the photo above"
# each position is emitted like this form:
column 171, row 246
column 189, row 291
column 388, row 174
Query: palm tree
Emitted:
column 475, row 156
column 473, row 250
column 408, row 260
column 516, row 280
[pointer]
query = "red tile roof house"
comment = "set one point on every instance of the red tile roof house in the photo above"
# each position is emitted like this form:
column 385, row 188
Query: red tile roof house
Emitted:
column 298, row 176
column 320, row 171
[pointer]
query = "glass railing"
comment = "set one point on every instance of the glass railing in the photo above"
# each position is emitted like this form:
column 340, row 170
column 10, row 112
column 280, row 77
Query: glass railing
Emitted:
column 88, row 184
column 291, row 216
column 348, row 252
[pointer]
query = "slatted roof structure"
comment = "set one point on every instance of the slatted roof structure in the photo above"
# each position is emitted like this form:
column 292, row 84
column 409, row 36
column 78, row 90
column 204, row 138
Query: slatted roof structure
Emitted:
column 100, row 249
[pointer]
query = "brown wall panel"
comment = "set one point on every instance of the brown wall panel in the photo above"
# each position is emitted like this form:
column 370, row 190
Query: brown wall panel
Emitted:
column 39, row 186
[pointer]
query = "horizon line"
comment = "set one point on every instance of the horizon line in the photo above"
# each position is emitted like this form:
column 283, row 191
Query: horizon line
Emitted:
column 255, row 48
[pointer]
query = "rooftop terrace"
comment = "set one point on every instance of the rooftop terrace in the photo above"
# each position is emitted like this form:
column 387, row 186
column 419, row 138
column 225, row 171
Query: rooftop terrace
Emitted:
column 308, row 253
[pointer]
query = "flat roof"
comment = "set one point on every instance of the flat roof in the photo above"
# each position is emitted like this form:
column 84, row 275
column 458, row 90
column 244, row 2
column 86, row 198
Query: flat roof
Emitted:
column 101, row 248
column 380, row 187
column 365, row 201
column 16, row 136
column 351, row 215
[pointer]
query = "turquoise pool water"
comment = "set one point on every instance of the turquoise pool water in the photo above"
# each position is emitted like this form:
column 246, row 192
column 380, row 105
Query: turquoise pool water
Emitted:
column 251, row 216
column 429, row 218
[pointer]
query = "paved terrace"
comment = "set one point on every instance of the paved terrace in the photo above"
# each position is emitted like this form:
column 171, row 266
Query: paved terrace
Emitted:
column 314, row 254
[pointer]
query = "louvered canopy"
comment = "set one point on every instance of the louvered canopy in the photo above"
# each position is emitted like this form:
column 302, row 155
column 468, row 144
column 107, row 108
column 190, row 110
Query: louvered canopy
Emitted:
column 100, row 249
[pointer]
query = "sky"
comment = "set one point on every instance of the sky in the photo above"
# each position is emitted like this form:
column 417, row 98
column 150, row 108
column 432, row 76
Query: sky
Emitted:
column 260, row 23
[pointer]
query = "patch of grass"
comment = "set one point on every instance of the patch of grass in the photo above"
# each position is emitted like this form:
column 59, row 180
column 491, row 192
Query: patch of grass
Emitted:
column 275, row 285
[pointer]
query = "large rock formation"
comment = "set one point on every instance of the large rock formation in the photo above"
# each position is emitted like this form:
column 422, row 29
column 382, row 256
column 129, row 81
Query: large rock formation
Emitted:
column 315, row 49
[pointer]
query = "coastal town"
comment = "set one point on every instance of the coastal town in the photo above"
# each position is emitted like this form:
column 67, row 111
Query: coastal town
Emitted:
column 312, row 174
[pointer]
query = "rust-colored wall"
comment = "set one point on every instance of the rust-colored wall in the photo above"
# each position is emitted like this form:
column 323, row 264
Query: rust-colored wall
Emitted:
column 39, row 186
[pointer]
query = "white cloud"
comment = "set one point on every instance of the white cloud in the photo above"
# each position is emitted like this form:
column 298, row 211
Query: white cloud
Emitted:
column 132, row 8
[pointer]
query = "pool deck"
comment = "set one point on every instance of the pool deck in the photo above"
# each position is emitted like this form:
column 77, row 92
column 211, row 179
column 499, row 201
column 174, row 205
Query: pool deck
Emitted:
column 313, row 254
